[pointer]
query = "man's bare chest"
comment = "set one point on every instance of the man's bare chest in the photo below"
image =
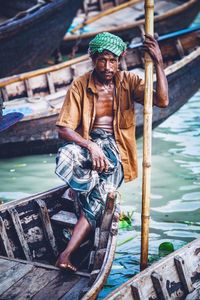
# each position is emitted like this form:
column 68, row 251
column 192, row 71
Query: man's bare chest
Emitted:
column 104, row 103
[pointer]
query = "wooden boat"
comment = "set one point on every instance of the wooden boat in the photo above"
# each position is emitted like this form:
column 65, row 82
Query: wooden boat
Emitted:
column 30, row 31
column 170, row 15
column 176, row 276
column 32, row 236
column 39, row 95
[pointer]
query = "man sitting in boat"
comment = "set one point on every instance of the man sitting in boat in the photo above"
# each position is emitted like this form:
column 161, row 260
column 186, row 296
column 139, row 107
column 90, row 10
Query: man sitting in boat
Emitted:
column 98, row 122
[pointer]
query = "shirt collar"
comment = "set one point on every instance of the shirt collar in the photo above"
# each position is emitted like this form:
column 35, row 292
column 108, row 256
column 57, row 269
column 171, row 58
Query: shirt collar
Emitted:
column 119, row 76
column 91, row 85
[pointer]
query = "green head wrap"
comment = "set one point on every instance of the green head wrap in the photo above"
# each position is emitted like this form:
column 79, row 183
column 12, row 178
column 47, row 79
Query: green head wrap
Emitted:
column 107, row 41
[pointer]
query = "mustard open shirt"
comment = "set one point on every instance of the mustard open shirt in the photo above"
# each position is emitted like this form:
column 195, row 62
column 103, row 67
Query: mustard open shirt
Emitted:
column 78, row 113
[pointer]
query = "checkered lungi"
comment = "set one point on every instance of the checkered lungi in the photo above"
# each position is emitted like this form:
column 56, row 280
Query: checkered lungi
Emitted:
column 74, row 166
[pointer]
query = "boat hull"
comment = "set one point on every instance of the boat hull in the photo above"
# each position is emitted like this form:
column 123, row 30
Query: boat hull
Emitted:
column 173, row 278
column 183, row 83
column 37, row 136
column 32, row 236
column 163, row 23
column 27, row 42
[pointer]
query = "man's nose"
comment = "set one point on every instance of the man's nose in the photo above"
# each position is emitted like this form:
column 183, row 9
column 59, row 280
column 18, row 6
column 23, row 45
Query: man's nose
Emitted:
column 108, row 65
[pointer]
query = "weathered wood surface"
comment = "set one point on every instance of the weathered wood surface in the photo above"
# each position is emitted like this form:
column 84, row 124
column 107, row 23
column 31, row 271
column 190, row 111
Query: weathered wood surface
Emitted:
column 30, row 284
column 75, row 290
column 62, row 74
column 37, row 277
column 20, row 233
column 195, row 295
column 19, row 280
column 60, row 284
column 106, row 12
column 27, row 33
column 183, row 274
column 24, row 227
column 165, row 279
column 11, row 272
column 5, row 241
column 47, row 228
column 65, row 218
column 128, row 22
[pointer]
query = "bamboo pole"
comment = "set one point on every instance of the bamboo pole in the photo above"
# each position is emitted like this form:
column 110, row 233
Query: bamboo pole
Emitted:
column 146, row 178
column 105, row 13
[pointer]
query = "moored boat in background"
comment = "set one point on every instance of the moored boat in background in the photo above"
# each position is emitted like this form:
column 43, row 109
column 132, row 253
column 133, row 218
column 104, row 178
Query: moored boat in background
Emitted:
column 39, row 95
column 30, row 31
column 128, row 23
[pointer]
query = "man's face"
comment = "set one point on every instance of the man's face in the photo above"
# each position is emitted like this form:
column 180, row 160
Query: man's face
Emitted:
column 106, row 65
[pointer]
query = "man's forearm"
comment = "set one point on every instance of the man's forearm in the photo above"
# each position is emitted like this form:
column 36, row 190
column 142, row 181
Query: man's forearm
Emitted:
column 99, row 160
column 161, row 96
column 72, row 136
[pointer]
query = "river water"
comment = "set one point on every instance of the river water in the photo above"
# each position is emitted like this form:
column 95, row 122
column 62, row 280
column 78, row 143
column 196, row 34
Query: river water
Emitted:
column 175, row 190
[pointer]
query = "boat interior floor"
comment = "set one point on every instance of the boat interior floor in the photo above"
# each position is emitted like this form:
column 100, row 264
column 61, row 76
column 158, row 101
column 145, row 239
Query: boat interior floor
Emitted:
column 32, row 235
column 127, row 15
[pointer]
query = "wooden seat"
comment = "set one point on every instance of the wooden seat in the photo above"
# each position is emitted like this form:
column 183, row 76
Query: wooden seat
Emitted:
column 65, row 218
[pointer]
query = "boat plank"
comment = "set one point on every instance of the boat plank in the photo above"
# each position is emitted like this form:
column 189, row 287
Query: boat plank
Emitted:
column 136, row 292
column 57, row 287
column 13, row 273
column 109, row 211
column 20, row 233
column 4, row 94
column 29, row 285
column 183, row 274
column 43, row 265
column 50, row 83
column 159, row 286
column 195, row 295
column 48, row 231
column 75, row 290
column 6, row 264
column 5, row 240
column 171, row 284
column 65, row 218
column 28, row 88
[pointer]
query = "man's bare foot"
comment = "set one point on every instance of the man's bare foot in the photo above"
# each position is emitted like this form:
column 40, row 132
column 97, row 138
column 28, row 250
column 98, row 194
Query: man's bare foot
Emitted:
column 64, row 262
column 80, row 232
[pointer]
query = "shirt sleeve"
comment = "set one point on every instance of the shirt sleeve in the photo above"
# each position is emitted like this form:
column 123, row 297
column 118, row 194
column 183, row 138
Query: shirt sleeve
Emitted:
column 70, row 114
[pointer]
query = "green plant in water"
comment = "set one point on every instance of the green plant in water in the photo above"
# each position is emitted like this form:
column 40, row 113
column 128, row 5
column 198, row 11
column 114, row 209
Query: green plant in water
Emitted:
column 125, row 220
column 164, row 249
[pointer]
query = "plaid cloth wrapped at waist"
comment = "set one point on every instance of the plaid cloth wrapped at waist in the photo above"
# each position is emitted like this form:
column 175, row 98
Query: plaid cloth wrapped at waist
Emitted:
column 74, row 165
